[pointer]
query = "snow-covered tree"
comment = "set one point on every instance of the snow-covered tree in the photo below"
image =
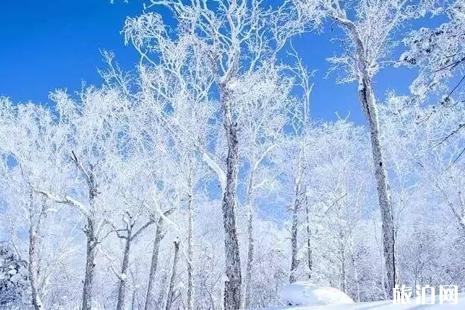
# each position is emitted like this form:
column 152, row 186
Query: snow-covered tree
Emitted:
column 14, row 290
column 238, row 38
column 369, row 27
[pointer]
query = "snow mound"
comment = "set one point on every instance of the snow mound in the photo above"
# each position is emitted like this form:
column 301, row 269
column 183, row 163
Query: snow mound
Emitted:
column 307, row 294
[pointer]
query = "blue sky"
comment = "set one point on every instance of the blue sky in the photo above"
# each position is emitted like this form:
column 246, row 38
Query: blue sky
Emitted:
column 47, row 45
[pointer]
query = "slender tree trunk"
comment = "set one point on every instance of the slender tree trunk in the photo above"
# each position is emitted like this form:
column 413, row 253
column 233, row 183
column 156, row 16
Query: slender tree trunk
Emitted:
column 161, row 294
column 34, row 266
column 170, row 298
column 34, row 272
column 309, row 239
column 342, row 252
column 91, row 239
column 232, row 290
column 250, row 255
column 343, row 275
column 294, row 232
column 190, row 255
column 91, row 246
column 149, row 298
column 133, row 299
column 250, row 240
column 357, row 281
column 124, row 271
column 368, row 100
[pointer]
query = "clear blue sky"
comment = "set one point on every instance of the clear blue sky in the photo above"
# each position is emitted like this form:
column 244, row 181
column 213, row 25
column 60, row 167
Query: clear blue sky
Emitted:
column 47, row 45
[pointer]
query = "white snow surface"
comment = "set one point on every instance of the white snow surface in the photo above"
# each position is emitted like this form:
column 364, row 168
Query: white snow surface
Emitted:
column 307, row 294
column 381, row 305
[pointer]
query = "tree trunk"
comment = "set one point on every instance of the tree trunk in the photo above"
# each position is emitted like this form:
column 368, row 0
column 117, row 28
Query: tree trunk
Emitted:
column 232, row 290
column 159, row 304
column 149, row 298
column 190, row 256
column 124, row 270
column 357, row 281
column 34, row 266
column 342, row 253
column 309, row 244
column 91, row 240
column 294, row 232
column 90, row 265
column 368, row 100
column 133, row 300
column 250, row 240
column 170, row 298
column 294, row 229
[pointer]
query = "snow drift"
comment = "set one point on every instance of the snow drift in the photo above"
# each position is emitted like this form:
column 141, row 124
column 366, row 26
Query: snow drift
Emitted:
column 307, row 294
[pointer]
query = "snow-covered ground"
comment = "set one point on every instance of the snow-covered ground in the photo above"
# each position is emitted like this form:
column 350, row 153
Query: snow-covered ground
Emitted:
column 380, row 305
column 307, row 296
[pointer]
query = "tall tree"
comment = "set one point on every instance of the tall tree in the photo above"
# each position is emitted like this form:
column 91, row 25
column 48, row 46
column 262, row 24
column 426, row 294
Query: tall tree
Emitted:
column 238, row 37
column 369, row 27
column 262, row 113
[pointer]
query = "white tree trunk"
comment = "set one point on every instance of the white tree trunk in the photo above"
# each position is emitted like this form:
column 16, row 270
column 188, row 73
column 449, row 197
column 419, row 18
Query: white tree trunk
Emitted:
column 90, row 232
column 129, row 238
column 250, row 240
column 34, row 265
column 356, row 278
column 159, row 304
column 342, row 256
column 294, row 233
column 124, row 271
column 298, row 200
column 133, row 299
column 170, row 298
column 149, row 298
column 309, row 241
column 91, row 251
column 190, row 255
column 232, row 290
column 368, row 102
column 295, row 221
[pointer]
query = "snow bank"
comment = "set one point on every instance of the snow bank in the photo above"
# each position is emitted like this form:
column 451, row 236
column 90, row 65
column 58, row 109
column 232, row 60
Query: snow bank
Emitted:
column 307, row 294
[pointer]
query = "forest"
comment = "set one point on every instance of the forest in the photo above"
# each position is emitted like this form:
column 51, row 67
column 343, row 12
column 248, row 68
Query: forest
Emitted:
column 201, row 180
